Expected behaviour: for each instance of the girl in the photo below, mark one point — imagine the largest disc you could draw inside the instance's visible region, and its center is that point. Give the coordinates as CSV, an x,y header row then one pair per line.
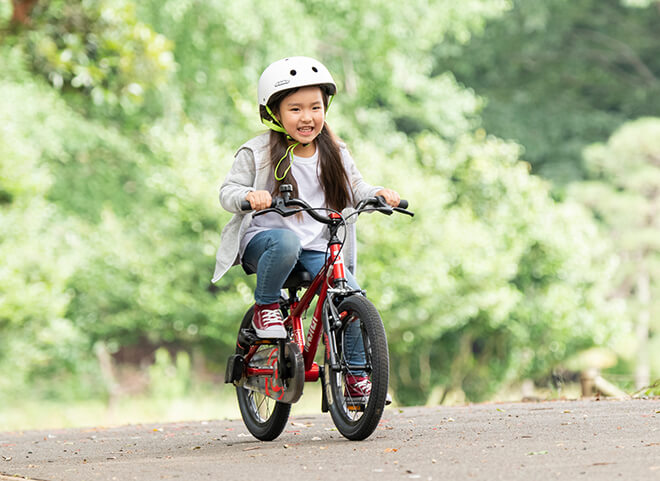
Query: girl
x,y
300,149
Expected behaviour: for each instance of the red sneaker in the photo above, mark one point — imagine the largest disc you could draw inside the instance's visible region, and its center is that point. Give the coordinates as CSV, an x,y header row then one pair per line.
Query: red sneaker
x,y
357,387
267,321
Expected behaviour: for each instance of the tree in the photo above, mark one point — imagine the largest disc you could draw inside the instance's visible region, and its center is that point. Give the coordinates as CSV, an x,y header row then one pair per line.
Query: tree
x,y
496,283
97,47
624,193
21,10
41,246
559,75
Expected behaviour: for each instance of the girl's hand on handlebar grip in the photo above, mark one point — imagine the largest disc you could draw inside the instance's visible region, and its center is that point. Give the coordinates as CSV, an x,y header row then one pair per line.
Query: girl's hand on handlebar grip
x,y
259,199
391,197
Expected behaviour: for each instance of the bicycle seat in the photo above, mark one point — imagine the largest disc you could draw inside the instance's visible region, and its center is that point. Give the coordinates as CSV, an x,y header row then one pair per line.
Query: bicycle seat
x,y
298,279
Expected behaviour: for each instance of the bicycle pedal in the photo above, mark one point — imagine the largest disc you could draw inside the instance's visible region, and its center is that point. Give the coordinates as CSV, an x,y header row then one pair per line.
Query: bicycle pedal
x,y
247,337
356,404
356,407
235,366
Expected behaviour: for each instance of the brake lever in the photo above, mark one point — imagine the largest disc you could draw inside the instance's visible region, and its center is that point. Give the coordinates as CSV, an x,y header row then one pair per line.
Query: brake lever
x,y
383,206
403,211
278,206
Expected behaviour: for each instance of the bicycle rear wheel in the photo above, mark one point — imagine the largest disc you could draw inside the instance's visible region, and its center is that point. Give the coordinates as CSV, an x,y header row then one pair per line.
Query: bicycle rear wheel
x,y
357,418
264,417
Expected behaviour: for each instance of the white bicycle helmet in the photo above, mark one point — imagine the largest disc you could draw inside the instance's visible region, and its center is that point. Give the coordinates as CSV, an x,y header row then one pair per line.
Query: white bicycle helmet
x,y
293,72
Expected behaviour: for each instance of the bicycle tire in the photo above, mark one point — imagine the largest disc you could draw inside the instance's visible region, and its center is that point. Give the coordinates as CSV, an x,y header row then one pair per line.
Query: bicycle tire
x,y
264,417
357,421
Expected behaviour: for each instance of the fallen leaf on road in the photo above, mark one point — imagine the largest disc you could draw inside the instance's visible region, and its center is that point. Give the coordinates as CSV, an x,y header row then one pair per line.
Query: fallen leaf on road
x,y
536,453
196,447
304,425
250,448
391,450
566,411
7,458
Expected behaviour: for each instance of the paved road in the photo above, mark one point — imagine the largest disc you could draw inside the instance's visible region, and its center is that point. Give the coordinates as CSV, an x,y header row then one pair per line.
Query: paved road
x,y
569,440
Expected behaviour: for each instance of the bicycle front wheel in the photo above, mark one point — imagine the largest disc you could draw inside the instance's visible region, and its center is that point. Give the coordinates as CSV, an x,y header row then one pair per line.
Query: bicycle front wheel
x,y
361,352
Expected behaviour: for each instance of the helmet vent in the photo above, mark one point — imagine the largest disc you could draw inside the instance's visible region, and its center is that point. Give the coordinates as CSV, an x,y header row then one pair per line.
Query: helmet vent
x,y
293,72
315,69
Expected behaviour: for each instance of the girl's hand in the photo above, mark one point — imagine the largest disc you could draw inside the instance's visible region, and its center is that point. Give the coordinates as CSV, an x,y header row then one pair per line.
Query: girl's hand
x,y
391,197
259,199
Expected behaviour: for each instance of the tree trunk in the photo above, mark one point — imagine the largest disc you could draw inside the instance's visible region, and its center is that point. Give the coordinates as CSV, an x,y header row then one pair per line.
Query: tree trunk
x,y
21,13
642,370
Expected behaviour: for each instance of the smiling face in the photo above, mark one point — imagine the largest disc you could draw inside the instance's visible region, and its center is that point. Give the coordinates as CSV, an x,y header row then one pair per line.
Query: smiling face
x,y
302,114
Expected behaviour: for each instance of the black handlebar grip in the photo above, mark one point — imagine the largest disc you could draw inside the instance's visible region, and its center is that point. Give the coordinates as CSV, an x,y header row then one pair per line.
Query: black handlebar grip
x,y
403,204
245,205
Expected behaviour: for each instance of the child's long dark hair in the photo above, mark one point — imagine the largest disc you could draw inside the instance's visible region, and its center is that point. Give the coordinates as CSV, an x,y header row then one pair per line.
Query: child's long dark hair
x,y
333,177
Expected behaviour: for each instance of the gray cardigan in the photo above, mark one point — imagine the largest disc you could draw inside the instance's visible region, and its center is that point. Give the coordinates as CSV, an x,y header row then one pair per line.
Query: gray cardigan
x,y
252,171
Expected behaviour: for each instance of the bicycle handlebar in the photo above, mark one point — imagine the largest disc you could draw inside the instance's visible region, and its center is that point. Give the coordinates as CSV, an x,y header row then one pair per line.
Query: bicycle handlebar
x,y
283,206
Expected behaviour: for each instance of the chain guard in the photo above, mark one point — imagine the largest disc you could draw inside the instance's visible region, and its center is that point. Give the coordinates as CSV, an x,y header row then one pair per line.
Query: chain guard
x,y
287,390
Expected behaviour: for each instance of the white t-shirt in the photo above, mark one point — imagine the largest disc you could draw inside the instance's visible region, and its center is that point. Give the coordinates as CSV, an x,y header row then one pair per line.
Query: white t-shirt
x,y
312,234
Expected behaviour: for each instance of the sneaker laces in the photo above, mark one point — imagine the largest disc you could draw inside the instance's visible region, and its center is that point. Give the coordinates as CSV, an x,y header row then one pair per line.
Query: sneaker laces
x,y
270,317
361,387
364,386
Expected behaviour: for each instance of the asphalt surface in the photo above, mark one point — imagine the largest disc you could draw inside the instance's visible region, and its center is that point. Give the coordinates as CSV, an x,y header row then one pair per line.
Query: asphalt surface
x,y
571,440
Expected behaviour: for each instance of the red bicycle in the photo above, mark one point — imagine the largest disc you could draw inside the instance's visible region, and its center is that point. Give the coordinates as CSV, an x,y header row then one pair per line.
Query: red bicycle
x,y
269,374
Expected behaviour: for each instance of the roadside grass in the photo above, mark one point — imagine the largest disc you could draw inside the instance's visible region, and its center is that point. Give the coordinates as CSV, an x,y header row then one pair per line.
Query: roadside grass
x,y
205,404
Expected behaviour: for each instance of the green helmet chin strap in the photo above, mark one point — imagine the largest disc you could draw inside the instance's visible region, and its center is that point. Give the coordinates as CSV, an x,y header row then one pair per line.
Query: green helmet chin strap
x,y
288,153
278,127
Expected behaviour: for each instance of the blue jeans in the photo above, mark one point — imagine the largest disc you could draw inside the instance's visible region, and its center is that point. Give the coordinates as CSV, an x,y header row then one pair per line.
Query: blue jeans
x,y
273,255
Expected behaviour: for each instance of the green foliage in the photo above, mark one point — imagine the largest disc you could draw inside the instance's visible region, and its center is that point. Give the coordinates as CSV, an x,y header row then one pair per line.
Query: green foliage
x,y
40,245
110,218
497,282
623,193
98,47
649,391
560,75
170,379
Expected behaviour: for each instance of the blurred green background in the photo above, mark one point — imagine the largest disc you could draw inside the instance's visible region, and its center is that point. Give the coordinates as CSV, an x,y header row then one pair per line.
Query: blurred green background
x,y
521,131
